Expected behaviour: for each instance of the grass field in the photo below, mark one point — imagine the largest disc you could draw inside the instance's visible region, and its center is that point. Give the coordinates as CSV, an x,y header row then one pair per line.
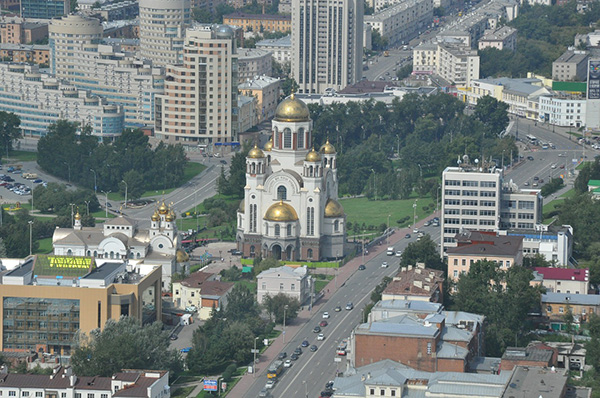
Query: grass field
x,y
20,156
363,210
45,246
552,206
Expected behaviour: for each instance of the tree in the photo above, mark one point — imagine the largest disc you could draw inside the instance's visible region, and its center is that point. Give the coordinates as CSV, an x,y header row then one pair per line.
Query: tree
x,y
9,131
135,184
276,307
378,42
289,86
423,251
241,303
124,344
492,113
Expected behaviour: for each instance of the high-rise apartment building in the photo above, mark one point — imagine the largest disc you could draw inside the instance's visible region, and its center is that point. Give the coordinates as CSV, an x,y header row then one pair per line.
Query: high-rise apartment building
x,y
475,197
327,44
199,105
44,9
76,54
162,30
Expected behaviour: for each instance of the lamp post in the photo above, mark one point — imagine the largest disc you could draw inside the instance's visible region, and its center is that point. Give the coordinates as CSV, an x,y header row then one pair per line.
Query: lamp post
x,y
254,362
388,230
398,137
420,170
95,181
69,167
32,208
106,203
285,308
363,248
374,185
123,181
437,198
72,205
87,205
414,213
30,236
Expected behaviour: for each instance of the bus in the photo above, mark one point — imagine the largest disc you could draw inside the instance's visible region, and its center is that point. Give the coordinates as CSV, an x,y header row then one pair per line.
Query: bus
x,y
275,369
386,53
341,348
531,139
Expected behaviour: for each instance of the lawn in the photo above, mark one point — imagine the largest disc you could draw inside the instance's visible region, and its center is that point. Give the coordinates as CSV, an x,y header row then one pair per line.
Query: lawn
x,y
250,285
20,156
45,246
102,214
320,284
375,212
182,392
552,206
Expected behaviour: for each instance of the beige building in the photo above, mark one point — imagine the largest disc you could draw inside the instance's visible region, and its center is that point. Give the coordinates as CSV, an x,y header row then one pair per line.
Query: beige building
x,y
30,53
266,91
259,22
571,66
401,21
48,299
280,49
19,31
247,108
425,58
455,63
254,62
563,280
474,246
202,291
162,30
293,282
555,306
327,48
504,38
200,99
416,284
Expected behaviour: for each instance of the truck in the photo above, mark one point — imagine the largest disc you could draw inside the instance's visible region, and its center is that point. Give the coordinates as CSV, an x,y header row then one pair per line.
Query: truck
x,y
30,176
275,369
390,251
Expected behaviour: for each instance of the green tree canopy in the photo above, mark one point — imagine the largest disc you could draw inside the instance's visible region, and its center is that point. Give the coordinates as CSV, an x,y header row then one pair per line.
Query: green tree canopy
x,y
423,251
9,131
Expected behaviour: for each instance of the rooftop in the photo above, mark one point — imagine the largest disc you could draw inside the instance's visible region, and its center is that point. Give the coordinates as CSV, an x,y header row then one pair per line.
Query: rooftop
x,y
529,354
285,41
258,83
479,244
241,15
197,279
534,382
418,281
572,56
564,274
248,53
576,299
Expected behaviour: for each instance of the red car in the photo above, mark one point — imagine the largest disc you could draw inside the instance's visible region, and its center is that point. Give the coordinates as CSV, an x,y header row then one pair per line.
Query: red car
x,y
323,324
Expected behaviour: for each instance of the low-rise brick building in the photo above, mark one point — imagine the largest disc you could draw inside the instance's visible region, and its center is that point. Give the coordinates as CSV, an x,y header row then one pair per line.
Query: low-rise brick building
x,y
416,283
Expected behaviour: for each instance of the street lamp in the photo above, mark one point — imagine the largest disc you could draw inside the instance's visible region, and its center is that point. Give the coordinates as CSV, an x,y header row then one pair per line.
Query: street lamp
x,y
398,136
95,181
420,170
30,236
123,181
72,214
69,167
106,203
388,229
87,205
284,313
414,213
254,362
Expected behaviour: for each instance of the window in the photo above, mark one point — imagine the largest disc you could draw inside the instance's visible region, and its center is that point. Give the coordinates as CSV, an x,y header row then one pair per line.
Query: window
x,y
428,348
456,273
393,393
336,226
381,392
90,395
12,393
281,286
455,261
264,286
309,253
293,286
281,192
277,230
287,138
25,393
77,395
39,394
103,395
561,310
63,395
372,391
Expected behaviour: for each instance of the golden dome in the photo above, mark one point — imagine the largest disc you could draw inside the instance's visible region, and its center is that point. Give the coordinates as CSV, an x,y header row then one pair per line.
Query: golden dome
x,y
292,109
155,216
78,216
333,209
256,153
313,156
269,145
242,207
170,216
182,256
281,212
327,148
163,209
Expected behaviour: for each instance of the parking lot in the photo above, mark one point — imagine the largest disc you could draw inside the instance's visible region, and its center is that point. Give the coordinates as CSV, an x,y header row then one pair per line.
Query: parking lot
x,y
22,192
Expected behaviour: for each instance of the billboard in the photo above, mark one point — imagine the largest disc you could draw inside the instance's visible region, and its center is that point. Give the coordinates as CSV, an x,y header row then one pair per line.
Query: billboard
x,y
211,385
593,79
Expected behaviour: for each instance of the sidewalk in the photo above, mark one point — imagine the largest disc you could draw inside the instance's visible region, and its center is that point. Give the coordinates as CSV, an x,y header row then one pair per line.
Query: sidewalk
x,y
304,316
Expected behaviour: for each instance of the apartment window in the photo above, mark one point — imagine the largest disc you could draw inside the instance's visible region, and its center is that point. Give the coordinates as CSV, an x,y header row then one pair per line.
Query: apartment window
x,y
103,395
77,395
393,393
561,310
264,286
63,395
464,262
281,286
470,183
293,287
456,273
488,184
25,393
39,394
12,393
428,348
455,261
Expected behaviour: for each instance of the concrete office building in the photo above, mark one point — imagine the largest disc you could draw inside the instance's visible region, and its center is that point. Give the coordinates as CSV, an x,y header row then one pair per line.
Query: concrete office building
x,y
40,100
504,38
199,105
474,197
553,242
44,9
259,22
76,53
254,62
46,300
571,65
266,91
327,46
563,109
162,30
281,49
402,21
457,64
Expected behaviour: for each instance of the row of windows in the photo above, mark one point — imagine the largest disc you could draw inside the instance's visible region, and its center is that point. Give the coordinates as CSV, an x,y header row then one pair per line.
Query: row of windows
x,y
458,202
463,262
456,192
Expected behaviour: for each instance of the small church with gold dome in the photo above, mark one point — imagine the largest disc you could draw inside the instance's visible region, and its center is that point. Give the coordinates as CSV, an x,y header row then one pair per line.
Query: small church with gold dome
x,y
120,239
290,209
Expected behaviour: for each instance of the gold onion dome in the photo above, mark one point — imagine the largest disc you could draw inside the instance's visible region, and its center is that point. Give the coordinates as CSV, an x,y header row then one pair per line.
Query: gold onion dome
x,y
242,208
256,153
163,209
155,216
313,156
333,209
327,148
269,145
281,212
78,216
292,109
170,216
182,256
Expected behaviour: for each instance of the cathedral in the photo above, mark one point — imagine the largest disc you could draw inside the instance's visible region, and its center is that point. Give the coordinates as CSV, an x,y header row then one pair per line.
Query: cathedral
x,y
290,209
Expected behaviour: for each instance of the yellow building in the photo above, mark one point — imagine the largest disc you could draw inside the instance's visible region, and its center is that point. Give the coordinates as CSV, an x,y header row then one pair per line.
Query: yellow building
x,y
202,291
259,22
47,299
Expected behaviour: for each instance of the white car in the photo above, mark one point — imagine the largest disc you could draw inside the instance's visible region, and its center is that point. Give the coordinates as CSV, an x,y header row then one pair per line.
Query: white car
x,y
416,230
270,383
326,315
384,264
191,308
321,337
398,253
287,363
553,166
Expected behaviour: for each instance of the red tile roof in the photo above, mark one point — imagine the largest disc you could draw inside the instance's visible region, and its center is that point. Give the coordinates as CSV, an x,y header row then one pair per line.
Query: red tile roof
x,y
564,274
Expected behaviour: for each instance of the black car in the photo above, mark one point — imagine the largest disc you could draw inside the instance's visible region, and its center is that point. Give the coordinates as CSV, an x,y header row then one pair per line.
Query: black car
x,y
223,161
407,236
362,267
294,357
313,348
282,355
305,343
317,329
529,157
329,385
298,351
174,337
327,393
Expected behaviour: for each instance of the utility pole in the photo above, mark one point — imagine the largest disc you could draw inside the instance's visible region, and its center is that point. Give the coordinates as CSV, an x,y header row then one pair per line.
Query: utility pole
x,y
30,236
254,362
72,205
284,313
106,203
123,181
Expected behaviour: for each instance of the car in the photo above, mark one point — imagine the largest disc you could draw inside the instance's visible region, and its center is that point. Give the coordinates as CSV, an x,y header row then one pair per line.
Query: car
x,y
530,158
362,267
270,383
407,236
535,184
282,355
186,349
264,393
294,357
223,161
174,337
384,264
321,337
338,309
305,342
349,306
17,172
553,166
108,204
191,308
326,315
323,324
561,155
427,223
38,181
536,178
313,348
329,385
298,350
526,183
541,180
328,392
562,166
416,231
287,363
317,329
398,253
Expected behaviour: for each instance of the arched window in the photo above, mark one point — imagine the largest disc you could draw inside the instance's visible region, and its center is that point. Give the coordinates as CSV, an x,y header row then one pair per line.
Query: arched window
x,y
310,220
287,138
277,230
130,254
139,255
252,251
289,230
281,192
69,252
336,226
276,139
112,254
300,138
309,253
88,253
95,253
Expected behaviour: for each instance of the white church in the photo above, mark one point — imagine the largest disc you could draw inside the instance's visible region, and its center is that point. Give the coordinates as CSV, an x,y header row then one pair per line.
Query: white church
x,y
290,209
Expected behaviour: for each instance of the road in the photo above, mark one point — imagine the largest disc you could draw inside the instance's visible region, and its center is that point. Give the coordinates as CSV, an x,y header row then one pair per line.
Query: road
x,y
308,375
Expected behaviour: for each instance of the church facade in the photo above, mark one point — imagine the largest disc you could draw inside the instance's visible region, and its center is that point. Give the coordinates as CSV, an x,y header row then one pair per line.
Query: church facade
x,y
290,209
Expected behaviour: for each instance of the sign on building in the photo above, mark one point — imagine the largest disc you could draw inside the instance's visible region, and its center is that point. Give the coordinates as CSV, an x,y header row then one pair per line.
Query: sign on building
x,y
593,79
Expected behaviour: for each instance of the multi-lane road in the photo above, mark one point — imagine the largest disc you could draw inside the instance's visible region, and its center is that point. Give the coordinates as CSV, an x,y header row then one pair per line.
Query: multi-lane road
x,y
308,375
